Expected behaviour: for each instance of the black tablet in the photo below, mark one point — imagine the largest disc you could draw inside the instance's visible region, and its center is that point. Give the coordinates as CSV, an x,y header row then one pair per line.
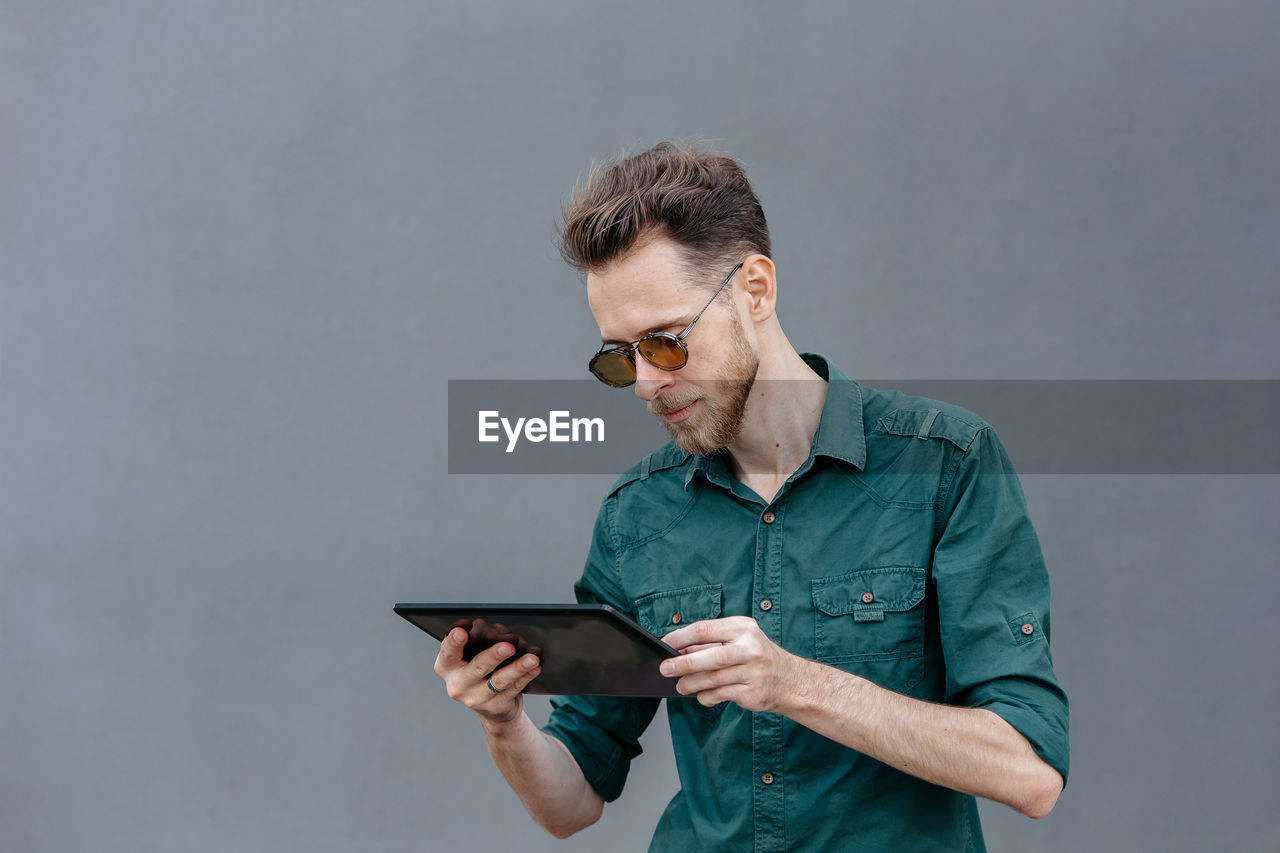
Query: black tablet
x,y
585,649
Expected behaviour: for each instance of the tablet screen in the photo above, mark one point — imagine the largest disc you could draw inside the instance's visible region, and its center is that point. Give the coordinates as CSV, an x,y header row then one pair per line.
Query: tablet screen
x,y
585,649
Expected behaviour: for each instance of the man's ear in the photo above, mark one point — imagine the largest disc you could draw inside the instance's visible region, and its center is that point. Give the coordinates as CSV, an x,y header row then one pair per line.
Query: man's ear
x,y
760,286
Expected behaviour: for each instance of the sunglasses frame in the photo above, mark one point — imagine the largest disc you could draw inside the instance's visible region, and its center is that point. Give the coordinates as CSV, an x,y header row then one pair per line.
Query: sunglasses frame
x,y
628,351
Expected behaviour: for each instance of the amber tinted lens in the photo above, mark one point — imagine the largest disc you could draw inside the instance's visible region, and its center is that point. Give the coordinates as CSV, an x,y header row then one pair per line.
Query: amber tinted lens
x,y
613,368
663,351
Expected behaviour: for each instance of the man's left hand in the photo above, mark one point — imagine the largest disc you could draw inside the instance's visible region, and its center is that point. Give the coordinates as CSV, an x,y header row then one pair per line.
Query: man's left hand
x,y
732,660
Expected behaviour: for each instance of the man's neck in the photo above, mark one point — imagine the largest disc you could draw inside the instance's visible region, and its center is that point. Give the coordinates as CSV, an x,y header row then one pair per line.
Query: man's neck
x,y
781,419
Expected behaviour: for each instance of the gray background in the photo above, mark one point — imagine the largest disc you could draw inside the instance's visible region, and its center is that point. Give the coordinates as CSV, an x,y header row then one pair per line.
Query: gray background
x,y
244,245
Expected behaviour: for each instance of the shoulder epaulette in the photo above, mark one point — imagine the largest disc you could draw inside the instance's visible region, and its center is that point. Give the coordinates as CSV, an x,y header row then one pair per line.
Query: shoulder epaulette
x,y
667,456
934,419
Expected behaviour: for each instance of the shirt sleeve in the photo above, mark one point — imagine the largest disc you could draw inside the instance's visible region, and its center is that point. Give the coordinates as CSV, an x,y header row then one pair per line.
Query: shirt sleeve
x,y
602,732
993,601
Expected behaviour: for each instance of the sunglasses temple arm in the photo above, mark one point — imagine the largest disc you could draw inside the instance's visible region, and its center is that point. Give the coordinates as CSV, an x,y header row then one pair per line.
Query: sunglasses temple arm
x,y
728,278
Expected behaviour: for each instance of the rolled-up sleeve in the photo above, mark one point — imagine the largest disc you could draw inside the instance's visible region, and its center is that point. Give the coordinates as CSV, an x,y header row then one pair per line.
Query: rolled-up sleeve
x,y
602,732
993,600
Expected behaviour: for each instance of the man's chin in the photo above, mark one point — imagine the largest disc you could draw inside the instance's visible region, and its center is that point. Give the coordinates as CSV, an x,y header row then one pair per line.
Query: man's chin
x,y
690,443
691,439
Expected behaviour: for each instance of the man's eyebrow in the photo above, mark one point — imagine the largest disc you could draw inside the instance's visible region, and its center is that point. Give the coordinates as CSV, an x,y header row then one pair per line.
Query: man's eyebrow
x,y
671,324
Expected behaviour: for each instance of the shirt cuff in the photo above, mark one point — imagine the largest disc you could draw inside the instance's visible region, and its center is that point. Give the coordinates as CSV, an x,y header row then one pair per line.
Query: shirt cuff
x,y
1042,720
603,761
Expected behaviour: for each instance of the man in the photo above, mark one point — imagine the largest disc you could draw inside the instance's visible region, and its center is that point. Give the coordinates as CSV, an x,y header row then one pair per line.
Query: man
x,y
850,574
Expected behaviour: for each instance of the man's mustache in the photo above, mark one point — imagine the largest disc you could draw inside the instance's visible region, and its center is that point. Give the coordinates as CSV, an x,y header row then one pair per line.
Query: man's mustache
x,y
666,404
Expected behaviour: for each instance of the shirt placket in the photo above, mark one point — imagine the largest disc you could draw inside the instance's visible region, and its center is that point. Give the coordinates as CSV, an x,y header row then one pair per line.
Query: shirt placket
x,y
766,729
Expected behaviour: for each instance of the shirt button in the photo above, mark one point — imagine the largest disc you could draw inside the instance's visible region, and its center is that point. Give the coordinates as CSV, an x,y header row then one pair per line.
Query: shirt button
x,y
867,598
766,605
1027,629
767,778
677,619
768,518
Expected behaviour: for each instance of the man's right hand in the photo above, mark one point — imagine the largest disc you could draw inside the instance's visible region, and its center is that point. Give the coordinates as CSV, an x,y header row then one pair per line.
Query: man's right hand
x,y
466,681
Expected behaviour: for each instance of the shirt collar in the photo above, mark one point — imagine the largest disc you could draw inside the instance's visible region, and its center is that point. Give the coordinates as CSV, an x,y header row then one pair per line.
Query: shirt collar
x,y
841,433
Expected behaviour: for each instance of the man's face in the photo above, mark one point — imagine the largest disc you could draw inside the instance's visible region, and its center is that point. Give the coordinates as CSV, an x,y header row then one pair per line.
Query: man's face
x,y
703,403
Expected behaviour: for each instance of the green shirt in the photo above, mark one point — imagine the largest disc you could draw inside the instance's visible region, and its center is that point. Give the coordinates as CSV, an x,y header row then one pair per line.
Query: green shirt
x,y
901,550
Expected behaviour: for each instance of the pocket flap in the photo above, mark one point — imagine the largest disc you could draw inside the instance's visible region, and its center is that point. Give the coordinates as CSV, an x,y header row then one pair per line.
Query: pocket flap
x,y
867,591
660,613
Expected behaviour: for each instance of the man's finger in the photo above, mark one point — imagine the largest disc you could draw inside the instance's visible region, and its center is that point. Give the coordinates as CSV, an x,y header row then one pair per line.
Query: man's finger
x,y
491,658
514,676
712,657
451,647
701,682
706,631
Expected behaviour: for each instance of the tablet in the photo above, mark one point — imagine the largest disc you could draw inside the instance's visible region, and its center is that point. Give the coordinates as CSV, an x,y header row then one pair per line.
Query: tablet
x,y
585,649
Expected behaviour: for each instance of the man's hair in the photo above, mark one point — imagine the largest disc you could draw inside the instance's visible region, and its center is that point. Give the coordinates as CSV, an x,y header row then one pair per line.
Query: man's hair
x,y
690,193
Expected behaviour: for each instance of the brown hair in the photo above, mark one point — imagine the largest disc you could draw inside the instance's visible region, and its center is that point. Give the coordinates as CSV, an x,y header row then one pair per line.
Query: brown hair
x,y
691,193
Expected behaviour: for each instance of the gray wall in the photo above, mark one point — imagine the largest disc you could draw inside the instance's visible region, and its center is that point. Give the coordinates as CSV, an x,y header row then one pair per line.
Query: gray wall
x,y
244,245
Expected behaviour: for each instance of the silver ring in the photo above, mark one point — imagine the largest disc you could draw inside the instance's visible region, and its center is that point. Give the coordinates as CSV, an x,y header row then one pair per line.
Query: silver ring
x,y
489,681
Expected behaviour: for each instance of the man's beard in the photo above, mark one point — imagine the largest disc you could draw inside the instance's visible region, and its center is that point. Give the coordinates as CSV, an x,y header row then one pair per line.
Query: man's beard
x,y
718,419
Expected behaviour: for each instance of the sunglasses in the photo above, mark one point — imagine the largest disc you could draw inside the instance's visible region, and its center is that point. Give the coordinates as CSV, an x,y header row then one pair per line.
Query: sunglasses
x,y
616,366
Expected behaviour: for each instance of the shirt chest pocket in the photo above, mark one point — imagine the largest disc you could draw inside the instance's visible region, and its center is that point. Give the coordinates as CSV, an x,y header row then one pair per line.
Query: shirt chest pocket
x,y
660,613
871,623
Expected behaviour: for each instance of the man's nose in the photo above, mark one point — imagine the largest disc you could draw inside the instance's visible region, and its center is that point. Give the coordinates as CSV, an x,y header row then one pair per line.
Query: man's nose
x,y
651,381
